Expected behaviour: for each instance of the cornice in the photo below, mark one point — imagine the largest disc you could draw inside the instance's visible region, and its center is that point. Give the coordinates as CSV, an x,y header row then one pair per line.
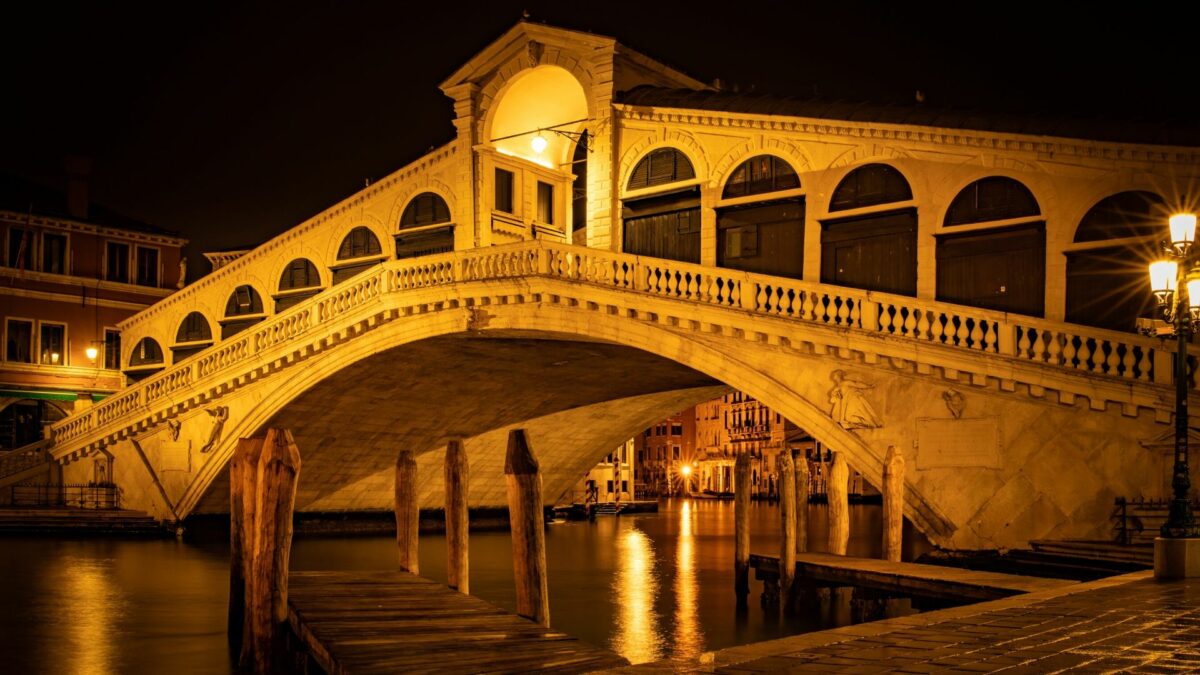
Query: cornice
x,y
33,220
936,136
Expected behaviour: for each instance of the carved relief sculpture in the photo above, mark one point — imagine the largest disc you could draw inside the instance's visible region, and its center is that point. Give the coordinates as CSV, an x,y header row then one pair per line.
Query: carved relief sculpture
x,y
174,426
219,414
849,408
955,402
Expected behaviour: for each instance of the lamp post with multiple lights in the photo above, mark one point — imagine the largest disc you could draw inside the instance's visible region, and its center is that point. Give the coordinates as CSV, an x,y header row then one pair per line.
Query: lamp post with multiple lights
x,y
1176,284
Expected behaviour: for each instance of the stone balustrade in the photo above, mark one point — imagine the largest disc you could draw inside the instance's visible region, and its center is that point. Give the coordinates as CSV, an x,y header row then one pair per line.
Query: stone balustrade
x,y
1071,350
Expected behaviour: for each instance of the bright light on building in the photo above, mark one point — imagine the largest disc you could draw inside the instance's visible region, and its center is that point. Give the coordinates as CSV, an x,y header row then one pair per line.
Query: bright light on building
x,y
686,470
538,143
92,352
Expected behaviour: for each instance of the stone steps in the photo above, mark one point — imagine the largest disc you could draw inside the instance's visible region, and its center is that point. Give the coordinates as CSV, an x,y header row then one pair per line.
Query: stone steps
x,y
93,521
1098,550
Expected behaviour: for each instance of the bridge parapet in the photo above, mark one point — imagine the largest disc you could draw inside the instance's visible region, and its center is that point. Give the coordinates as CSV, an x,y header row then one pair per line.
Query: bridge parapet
x,y
1104,366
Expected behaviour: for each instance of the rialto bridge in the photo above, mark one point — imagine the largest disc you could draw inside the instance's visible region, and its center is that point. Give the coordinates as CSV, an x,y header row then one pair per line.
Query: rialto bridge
x,y
607,241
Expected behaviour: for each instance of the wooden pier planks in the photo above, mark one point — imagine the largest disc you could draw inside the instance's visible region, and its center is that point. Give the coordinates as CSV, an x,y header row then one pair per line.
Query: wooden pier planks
x,y
389,622
907,578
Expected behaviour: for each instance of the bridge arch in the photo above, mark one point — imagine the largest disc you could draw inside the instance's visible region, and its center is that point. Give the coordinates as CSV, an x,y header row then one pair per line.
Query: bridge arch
x,y
800,397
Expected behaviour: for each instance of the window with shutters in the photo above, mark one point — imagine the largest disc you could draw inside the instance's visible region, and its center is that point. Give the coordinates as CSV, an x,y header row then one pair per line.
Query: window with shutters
x,y
300,273
112,349
660,167
52,341
993,198
147,352
20,248
759,175
19,339
194,328
243,301
545,203
360,243
870,185
54,253
116,262
504,190
426,208
147,267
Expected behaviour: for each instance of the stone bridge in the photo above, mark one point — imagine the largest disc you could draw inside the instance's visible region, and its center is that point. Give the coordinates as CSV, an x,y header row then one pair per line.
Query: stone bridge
x,y
585,348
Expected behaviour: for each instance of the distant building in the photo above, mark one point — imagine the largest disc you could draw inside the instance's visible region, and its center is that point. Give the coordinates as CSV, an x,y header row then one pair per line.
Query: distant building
x,y
70,273
666,455
610,480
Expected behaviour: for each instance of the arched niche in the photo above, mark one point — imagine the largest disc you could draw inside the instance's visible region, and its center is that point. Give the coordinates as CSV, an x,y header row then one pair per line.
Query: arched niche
x,y
243,309
425,227
539,102
766,236
145,359
665,222
299,280
358,250
194,335
876,247
1107,284
1002,267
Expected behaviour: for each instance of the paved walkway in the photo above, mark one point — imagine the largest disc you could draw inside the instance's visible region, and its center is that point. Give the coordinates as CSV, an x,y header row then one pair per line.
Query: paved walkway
x,y
1129,623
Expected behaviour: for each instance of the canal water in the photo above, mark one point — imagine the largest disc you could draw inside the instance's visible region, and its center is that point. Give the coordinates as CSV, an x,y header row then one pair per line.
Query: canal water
x,y
650,587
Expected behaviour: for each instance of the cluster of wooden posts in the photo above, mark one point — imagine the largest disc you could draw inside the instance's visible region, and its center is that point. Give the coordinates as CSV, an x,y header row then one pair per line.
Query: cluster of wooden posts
x,y
263,475
793,513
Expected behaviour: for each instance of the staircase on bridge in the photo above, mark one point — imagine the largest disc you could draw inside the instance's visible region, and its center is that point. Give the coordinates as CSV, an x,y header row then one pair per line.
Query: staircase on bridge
x,y
25,463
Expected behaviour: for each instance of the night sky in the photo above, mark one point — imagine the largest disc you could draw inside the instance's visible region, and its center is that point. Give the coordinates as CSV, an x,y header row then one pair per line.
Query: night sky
x,y
231,124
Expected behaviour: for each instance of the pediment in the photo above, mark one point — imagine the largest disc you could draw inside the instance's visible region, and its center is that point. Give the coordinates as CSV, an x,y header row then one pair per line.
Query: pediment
x,y
518,39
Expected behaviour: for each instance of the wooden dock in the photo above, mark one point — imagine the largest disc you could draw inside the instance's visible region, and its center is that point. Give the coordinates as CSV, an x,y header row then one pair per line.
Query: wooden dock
x,y
901,578
392,622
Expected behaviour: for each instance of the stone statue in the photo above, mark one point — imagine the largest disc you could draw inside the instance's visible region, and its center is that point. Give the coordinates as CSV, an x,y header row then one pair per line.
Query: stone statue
x,y
849,408
174,426
182,273
219,415
955,402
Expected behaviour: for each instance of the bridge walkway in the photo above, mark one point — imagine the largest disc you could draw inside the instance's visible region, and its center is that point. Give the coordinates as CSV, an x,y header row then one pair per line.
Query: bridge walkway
x,y
395,622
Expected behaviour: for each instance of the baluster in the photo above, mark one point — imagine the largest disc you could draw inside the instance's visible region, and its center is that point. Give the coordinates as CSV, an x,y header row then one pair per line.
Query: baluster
x,y
855,315
1060,348
911,325
977,335
1144,365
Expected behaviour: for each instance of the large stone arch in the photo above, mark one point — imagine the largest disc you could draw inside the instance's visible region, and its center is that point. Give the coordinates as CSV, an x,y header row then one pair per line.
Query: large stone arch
x,y
559,322
944,195
411,191
339,233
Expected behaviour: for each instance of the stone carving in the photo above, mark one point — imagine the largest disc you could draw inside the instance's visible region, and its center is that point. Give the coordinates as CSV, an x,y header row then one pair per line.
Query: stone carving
x,y
174,426
219,414
535,49
958,444
955,403
849,408
182,273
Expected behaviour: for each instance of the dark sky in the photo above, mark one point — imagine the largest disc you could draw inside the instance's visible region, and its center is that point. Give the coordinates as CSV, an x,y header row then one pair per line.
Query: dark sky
x,y
230,124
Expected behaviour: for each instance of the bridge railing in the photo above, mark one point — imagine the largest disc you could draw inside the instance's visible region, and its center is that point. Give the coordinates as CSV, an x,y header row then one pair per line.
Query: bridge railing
x,y
1089,351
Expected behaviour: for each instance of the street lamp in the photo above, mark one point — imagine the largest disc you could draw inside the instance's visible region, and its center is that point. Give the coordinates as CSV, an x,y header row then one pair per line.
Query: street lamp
x,y
1175,281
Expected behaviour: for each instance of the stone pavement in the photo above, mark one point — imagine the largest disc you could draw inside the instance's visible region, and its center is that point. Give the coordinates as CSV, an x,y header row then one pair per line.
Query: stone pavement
x,y
1131,623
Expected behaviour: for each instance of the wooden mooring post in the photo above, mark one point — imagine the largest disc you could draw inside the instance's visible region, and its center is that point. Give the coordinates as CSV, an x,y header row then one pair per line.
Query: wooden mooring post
x,y
262,540
524,486
408,516
741,520
802,479
838,491
787,514
457,550
893,504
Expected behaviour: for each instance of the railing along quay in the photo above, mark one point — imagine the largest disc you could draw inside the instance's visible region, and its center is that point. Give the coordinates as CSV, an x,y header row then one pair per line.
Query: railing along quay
x,y
1078,349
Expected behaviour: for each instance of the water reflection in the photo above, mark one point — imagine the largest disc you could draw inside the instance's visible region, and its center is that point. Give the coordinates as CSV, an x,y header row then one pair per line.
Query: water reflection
x,y
96,610
688,638
637,636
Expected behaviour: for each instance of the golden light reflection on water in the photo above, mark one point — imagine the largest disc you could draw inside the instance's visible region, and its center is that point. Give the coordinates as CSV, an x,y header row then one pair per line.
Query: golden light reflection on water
x,y
95,610
688,639
637,637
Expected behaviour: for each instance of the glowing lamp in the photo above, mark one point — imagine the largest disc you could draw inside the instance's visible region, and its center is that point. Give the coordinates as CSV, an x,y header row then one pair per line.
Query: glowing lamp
x,y
1193,288
539,146
686,470
54,357
92,352
1162,276
1183,230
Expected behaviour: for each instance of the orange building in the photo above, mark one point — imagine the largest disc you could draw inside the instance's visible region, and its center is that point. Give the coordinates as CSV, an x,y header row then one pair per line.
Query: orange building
x,y
69,274
666,456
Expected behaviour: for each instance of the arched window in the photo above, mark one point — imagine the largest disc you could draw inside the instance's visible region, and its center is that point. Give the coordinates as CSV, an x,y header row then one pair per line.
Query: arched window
x,y
1002,268
300,280
870,185
243,309
665,224
146,352
757,175
360,243
194,335
1107,286
425,211
875,250
661,166
194,329
993,198
767,236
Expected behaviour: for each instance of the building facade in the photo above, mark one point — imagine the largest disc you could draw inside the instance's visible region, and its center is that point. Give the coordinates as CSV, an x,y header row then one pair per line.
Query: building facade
x,y
666,457
70,275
